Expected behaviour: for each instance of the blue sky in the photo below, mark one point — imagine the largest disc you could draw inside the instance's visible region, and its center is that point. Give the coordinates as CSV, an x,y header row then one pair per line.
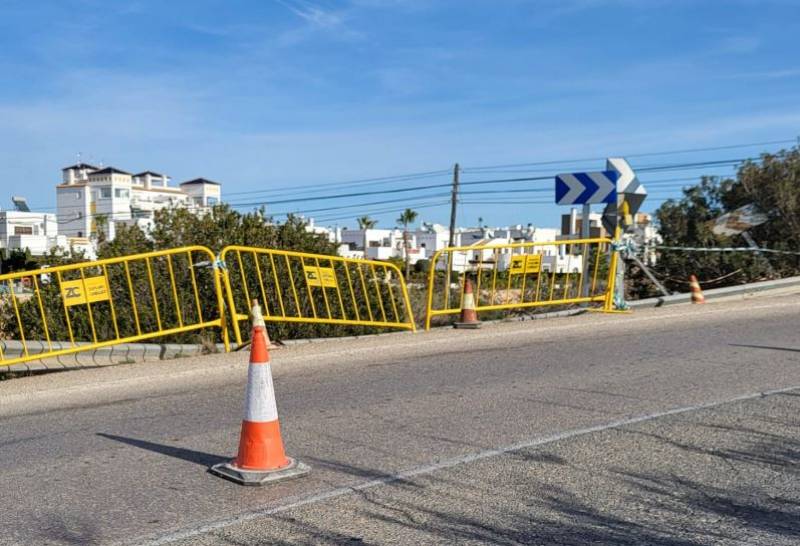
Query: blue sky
x,y
269,95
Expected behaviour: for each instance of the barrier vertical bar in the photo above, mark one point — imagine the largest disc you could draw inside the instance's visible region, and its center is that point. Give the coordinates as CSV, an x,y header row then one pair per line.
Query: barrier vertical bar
x,y
111,303
338,289
66,311
133,299
539,279
352,291
41,310
291,280
89,306
178,309
194,287
494,274
366,292
247,298
378,290
19,318
596,266
391,295
261,284
323,288
153,292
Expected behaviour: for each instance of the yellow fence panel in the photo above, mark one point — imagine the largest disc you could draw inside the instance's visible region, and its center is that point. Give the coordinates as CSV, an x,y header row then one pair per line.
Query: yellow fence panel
x,y
72,308
314,288
521,275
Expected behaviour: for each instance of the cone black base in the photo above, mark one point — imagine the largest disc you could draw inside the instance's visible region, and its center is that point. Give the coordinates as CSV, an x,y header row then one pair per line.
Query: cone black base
x,y
294,469
467,325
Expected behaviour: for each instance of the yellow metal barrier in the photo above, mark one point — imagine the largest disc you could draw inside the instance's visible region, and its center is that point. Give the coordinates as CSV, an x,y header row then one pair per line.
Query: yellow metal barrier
x,y
314,288
67,309
521,275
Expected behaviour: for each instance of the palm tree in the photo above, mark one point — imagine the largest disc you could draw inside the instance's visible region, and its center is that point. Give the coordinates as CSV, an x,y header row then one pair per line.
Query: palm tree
x,y
365,223
408,216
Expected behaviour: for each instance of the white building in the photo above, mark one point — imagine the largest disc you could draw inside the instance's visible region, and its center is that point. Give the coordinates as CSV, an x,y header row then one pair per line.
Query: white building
x,y
383,244
424,242
88,194
34,231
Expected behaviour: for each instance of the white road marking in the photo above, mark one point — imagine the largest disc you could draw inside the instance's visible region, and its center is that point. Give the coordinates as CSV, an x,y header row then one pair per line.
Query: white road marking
x,y
446,464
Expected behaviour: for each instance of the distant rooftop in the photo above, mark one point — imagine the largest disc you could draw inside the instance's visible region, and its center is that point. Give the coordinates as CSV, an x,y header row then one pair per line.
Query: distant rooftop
x,y
79,166
151,173
200,181
111,170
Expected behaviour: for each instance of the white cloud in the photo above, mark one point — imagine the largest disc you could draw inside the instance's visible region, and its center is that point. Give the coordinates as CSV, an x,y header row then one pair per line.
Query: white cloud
x,y
312,13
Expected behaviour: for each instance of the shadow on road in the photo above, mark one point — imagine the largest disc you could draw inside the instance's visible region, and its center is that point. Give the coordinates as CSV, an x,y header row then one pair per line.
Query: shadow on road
x,y
190,455
790,349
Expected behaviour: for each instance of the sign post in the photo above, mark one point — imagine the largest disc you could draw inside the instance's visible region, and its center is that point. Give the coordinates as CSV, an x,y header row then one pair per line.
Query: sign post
x,y
585,233
617,187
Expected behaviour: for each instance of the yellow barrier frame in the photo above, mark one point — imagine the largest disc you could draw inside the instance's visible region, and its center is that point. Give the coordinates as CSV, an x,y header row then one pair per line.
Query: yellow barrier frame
x,y
367,275
605,297
106,293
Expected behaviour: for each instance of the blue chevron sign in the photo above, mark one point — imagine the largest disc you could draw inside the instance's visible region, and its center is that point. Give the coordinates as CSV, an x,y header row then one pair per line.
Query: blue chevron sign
x,y
586,188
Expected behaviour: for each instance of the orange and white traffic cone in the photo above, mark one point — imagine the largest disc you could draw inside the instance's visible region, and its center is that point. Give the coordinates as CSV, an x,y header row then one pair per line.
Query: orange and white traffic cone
x,y
261,458
469,317
697,294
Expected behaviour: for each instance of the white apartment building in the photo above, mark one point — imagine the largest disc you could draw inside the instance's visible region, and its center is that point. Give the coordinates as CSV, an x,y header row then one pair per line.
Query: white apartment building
x,y
88,193
34,231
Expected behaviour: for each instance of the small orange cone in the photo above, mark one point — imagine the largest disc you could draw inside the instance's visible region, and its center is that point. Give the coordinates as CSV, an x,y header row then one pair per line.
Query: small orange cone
x,y
469,317
697,294
261,458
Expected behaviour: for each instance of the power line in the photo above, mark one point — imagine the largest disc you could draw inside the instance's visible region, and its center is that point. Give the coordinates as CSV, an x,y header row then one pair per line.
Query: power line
x,y
349,183
355,205
381,211
644,154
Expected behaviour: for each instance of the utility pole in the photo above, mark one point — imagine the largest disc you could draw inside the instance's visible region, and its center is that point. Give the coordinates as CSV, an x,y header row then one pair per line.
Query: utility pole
x,y
453,204
585,232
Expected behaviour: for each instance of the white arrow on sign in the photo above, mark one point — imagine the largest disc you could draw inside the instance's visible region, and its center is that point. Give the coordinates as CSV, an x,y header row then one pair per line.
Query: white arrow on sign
x,y
585,188
627,181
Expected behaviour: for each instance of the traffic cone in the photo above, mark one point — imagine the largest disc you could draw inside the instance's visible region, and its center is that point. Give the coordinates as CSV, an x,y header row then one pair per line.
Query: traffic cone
x,y
261,458
697,294
469,317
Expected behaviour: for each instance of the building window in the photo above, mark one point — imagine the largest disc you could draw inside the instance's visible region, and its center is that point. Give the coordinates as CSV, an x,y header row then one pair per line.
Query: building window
x,y
23,230
80,234
77,195
105,193
212,201
121,193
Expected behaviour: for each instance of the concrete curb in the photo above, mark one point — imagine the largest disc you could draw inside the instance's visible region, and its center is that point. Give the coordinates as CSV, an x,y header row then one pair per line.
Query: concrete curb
x,y
126,353
717,292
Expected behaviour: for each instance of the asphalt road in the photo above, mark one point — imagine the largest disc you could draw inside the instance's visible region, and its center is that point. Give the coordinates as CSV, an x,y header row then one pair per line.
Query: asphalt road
x,y
645,428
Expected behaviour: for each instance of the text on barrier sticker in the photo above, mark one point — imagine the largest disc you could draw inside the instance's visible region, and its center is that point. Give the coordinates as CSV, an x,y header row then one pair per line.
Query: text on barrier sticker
x,y
320,276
